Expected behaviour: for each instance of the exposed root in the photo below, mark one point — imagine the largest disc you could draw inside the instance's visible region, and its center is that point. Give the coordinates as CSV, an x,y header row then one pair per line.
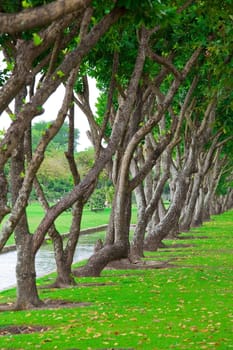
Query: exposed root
x,y
46,305
8,330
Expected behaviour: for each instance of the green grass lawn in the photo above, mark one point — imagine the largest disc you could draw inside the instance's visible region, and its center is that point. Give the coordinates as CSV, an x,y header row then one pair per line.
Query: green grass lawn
x,y
89,219
189,306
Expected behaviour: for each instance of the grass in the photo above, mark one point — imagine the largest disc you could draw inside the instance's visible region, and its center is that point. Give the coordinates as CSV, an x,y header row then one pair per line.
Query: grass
x,y
186,307
89,219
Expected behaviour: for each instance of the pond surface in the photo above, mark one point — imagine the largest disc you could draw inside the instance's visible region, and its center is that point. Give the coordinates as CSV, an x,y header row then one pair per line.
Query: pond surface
x,y
45,262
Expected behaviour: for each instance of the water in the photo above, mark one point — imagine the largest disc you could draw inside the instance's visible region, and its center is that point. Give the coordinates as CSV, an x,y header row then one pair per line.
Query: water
x,y
45,262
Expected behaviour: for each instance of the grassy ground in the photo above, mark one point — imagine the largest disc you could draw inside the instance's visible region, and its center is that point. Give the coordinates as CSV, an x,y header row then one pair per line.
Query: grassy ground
x,y
89,219
188,307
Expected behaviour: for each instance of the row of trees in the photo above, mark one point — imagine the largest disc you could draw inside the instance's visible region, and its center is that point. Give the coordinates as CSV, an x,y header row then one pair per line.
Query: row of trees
x,y
163,119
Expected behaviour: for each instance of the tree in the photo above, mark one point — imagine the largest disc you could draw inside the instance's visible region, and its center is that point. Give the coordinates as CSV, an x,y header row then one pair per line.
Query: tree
x,y
119,247
58,68
172,56
145,64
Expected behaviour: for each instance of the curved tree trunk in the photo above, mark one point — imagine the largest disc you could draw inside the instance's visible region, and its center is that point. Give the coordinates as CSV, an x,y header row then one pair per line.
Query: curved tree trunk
x,y
142,196
149,194
64,261
186,220
137,245
171,218
100,259
110,252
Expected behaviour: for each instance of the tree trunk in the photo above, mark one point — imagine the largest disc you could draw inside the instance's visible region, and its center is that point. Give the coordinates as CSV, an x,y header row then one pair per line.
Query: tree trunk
x,y
64,264
4,209
64,274
136,249
27,295
171,218
146,216
110,252
120,226
197,219
149,201
141,195
110,236
186,220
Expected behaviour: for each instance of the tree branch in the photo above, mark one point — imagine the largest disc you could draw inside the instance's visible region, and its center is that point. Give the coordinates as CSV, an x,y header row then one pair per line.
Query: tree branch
x,y
39,16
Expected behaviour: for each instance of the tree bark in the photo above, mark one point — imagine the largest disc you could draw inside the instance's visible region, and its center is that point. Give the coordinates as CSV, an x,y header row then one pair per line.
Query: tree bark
x,y
137,246
27,295
25,270
171,218
39,16
197,219
110,252
186,220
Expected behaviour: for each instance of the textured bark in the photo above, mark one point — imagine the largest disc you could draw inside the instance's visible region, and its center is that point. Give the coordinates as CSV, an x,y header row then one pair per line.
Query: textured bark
x,y
155,203
4,209
140,134
101,258
197,219
27,295
136,249
110,236
211,183
186,220
38,156
137,246
64,257
118,130
24,71
25,270
120,219
39,16
71,61
110,252
171,218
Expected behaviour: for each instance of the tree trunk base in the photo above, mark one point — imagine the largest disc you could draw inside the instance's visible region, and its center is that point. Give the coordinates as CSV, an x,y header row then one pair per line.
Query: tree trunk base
x,y
64,281
153,246
184,229
197,223
101,258
60,284
28,305
135,258
136,253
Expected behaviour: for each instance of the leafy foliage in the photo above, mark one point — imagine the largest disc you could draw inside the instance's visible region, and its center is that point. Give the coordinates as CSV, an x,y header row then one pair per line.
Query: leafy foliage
x,y
97,199
59,142
12,6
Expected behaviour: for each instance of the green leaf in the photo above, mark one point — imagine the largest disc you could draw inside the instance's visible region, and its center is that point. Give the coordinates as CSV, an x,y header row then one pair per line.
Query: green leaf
x,y
10,66
60,73
12,116
26,4
77,39
37,39
39,108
